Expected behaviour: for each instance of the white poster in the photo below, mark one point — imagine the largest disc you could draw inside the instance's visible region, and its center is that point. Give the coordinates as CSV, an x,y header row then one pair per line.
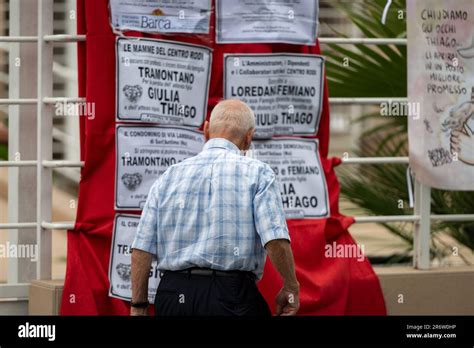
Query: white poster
x,y
143,154
301,177
441,87
287,21
161,16
285,91
162,81
125,227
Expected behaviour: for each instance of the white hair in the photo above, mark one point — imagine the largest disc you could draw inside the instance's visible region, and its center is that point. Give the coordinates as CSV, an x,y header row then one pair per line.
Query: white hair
x,y
233,116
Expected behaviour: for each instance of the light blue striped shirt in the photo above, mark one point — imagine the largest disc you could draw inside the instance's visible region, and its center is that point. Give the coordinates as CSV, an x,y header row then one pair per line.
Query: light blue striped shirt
x,y
215,210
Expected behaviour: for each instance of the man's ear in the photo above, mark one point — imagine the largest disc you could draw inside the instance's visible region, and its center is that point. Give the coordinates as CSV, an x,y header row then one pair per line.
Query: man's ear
x,y
249,138
206,130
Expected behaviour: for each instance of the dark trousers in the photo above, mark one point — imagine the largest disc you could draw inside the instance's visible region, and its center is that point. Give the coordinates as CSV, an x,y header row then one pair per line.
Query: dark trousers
x,y
185,294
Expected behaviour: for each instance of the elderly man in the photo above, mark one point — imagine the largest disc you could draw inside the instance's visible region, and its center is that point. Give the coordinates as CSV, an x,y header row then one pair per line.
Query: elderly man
x,y
210,221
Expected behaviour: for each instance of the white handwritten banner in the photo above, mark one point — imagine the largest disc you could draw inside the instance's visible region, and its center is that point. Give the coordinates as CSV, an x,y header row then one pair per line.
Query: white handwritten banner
x,y
285,91
291,21
297,166
162,81
143,154
125,228
441,85
161,16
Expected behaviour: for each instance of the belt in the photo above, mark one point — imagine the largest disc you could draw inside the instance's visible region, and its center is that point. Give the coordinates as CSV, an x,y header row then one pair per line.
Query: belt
x,y
212,272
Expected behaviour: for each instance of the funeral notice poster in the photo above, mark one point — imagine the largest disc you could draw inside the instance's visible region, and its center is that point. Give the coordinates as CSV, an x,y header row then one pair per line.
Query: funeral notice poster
x,y
143,154
285,21
285,91
125,227
162,82
298,169
441,86
161,16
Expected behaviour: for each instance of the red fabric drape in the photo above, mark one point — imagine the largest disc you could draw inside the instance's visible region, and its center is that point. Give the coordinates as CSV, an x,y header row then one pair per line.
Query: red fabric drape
x,y
329,286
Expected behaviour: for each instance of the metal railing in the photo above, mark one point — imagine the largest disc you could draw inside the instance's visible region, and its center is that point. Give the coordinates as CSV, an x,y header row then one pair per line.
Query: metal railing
x,y
45,40
44,165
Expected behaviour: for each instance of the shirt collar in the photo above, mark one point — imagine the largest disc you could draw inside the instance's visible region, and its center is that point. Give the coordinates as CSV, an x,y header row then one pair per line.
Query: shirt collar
x,y
221,143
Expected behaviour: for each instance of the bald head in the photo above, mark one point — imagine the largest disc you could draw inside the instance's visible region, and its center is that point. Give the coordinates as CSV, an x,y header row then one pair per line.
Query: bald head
x,y
233,120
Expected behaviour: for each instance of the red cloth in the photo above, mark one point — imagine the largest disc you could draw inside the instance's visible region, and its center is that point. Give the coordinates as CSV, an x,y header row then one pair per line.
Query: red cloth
x,y
329,286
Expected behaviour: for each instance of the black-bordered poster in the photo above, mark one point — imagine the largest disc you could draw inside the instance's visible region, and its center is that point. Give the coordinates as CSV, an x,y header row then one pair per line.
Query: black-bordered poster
x,y
125,227
298,169
144,153
246,21
161,16
162,82
285,91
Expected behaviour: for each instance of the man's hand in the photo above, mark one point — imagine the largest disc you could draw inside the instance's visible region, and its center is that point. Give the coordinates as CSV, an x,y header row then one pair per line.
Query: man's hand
x,y
138,312
281,256
288,301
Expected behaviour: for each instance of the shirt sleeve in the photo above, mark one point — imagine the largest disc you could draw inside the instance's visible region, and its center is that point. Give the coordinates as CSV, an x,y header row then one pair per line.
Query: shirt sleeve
x,y
269,216
146,235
